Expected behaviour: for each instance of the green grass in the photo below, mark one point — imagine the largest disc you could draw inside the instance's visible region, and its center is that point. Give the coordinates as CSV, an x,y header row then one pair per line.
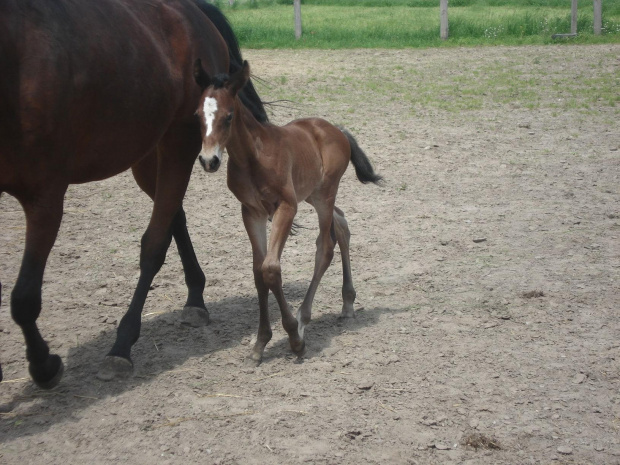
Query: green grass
x,y
534,81
335,24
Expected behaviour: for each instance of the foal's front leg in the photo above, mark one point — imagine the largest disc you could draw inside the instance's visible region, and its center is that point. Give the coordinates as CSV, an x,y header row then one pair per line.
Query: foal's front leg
x,y
272,271
256,227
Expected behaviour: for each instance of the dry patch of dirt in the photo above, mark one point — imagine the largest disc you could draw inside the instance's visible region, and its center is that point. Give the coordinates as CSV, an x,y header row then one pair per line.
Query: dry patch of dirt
x,y
492,196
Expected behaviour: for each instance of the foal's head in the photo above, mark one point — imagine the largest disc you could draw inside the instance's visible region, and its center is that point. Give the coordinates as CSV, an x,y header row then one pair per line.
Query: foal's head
x,y
216,111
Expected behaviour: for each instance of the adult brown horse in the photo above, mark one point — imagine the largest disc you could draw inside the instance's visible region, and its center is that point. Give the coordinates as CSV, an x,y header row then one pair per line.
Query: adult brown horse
x,y
88,90
272,169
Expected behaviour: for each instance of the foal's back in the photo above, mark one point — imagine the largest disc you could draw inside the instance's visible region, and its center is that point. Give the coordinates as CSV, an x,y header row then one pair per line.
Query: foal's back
x,y
318,150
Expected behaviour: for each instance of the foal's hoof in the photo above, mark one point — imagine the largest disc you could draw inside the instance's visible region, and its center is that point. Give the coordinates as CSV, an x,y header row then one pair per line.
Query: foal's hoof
x,y
48,374
345,315
115,367
194,317
300,351
253,360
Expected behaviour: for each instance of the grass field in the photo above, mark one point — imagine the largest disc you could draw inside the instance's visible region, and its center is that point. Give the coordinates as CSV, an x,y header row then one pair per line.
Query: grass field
x,y
415,23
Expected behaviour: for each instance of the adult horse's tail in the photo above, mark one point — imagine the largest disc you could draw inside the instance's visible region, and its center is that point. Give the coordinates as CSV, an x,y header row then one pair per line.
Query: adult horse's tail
x,y
363,169
248,94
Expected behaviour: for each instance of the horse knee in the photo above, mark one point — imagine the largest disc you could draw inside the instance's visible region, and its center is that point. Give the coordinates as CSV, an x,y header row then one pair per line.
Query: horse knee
x,y
153,254
25,303
272,274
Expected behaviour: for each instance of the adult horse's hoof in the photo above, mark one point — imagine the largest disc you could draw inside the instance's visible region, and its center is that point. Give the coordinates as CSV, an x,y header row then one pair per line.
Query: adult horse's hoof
x,y
115,367
194,317
48,374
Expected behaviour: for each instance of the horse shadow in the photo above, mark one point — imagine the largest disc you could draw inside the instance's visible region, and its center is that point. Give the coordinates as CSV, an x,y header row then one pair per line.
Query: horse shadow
x,y
165,345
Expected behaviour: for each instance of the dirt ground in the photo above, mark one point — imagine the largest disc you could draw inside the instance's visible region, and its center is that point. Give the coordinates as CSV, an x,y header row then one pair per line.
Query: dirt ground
x,y
486,271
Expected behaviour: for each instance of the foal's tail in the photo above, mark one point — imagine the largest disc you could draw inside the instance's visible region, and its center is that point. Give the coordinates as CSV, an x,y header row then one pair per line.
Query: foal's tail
x,y
363,168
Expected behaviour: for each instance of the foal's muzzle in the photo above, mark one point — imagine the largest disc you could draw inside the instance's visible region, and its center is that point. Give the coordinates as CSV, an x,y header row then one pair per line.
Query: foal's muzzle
x,y
210,166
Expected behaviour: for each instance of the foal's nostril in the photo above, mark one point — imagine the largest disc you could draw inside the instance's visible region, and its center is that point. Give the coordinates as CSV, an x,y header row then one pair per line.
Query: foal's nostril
x,y
202,161
215,164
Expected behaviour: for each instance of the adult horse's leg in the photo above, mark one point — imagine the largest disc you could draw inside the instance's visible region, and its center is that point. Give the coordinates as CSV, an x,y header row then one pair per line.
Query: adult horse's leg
x,y
0,305
194,312
176,154
256,227
325,243
43,216
272,271
343,236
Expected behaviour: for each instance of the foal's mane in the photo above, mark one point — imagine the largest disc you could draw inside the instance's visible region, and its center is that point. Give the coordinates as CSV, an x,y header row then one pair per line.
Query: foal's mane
x,y
248,95
220,80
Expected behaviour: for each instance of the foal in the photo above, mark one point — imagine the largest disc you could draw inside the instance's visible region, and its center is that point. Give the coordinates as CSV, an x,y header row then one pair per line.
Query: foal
x,y
271,169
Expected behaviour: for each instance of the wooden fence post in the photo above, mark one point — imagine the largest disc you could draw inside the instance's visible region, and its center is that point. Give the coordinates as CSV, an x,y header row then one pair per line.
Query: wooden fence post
x,y
297,8
598,13
443,29
573,17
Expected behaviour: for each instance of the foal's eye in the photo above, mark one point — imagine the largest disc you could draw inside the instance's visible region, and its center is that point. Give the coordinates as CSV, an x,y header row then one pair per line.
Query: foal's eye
x,y
229,118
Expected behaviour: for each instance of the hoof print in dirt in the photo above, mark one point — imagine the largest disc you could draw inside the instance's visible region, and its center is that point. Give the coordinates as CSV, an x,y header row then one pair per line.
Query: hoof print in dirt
x,y
195,317
480,441
115,368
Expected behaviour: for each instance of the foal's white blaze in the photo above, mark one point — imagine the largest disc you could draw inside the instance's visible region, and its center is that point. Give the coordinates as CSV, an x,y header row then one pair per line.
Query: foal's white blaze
x,y
209,108
210,151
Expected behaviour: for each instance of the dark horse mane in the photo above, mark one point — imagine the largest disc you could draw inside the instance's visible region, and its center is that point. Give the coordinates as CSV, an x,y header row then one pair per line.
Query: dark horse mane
x,y
248,95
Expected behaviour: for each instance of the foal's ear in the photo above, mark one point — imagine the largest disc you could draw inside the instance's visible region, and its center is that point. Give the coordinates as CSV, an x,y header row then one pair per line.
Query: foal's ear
x,y
239,78
200,75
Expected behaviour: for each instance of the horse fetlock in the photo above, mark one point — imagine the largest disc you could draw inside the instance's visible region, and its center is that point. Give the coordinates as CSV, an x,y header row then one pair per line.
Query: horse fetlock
x,y
263,338
298,347
348,295
303,315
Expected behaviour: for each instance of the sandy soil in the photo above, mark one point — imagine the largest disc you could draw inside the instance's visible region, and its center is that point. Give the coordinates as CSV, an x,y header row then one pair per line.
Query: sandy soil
x,y
486,270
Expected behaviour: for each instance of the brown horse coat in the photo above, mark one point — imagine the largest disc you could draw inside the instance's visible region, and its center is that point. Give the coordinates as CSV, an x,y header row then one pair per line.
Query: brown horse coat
x,y
89,89
272,169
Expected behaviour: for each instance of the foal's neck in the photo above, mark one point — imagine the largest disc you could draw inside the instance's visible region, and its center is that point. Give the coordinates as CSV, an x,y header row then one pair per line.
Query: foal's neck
x,y
246,133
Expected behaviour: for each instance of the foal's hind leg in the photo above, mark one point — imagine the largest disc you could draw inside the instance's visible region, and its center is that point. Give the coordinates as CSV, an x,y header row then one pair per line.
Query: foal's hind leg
x,y
343,236
43,216
325,243
194,311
